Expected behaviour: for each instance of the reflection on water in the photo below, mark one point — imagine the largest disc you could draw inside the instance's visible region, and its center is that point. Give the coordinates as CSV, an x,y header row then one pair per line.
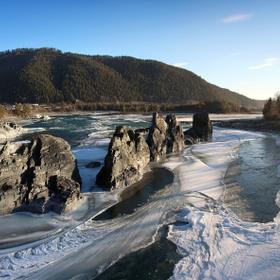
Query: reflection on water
x,y
252,181
139,193
155,262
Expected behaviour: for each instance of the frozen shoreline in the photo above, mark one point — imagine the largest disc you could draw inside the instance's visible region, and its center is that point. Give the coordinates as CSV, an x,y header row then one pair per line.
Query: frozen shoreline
x,y
214,243
210,238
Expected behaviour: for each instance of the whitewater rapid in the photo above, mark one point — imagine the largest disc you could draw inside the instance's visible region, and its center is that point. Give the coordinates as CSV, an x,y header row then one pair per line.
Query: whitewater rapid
x,y
213,241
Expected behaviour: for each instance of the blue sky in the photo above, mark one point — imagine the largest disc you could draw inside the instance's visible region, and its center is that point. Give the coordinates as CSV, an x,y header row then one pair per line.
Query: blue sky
x,y
232,43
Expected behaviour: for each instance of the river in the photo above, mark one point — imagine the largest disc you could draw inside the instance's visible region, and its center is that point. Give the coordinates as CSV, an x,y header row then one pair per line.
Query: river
x,y
209,213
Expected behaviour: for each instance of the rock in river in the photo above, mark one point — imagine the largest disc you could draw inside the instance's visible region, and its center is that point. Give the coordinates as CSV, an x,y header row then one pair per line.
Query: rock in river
x,y
201,129
39,176
128,155
175,135
157,137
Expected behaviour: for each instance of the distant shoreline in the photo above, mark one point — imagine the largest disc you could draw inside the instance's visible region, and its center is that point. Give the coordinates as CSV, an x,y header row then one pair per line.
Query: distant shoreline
x,y
24,119
251,124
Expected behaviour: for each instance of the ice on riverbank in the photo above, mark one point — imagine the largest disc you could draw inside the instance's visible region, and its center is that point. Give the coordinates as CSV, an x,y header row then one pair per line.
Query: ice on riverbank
x,y
214,243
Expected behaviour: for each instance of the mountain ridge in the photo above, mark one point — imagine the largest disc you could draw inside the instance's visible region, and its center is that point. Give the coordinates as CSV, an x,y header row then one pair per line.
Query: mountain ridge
x,y
48,75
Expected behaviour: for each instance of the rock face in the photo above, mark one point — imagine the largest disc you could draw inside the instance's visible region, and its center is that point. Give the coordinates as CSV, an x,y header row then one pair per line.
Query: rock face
x,y
202,125
128,155
175,135
9,130
201,129
157,137
39,176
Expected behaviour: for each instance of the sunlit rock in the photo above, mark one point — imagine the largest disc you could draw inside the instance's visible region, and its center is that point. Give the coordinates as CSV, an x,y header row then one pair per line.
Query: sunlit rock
x,y
39,176
128,155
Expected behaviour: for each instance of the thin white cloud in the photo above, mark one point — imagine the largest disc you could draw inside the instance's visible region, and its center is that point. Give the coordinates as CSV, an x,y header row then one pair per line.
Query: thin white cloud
x,y
181,64
268,62
237,18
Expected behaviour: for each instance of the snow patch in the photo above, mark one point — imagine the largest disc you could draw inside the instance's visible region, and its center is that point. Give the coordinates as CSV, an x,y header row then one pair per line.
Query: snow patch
x,y
216,245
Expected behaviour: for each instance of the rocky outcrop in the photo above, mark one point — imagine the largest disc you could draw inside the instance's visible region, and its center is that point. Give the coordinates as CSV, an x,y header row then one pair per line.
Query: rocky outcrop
x,y
202,125
165,136
128,155
175,135
39,176
201,129
157,137
9,130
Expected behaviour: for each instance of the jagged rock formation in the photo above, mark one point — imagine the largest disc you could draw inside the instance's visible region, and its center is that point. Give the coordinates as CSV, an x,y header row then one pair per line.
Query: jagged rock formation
x,y
157,137
128,155
175,135
9,130
39,176
201,129
165,136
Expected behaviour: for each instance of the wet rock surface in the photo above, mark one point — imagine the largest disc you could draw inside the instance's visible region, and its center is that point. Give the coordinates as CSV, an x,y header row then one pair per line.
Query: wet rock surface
x,y
128,155
39,176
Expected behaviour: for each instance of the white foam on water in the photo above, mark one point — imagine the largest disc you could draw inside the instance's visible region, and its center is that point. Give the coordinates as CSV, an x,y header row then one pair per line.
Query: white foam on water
x,y
99,138
102,128
34,129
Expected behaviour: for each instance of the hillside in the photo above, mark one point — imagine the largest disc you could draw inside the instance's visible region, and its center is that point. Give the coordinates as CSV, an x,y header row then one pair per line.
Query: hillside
x,y
50,76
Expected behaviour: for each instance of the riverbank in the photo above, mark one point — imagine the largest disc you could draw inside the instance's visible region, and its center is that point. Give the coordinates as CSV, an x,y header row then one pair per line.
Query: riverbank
x,y
208,236
250,124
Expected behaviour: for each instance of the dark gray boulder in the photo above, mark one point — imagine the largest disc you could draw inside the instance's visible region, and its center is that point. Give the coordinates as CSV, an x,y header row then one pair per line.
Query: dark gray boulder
x,y
201,129
175,135
157,137
39,176
202,125
190,138
128,155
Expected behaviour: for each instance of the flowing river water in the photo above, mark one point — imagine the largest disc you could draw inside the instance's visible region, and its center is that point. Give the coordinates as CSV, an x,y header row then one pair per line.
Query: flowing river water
x,y
208,213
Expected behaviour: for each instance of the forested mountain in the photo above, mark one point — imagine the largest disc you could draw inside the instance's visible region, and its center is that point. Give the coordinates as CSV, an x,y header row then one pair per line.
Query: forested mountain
x,y
50,76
